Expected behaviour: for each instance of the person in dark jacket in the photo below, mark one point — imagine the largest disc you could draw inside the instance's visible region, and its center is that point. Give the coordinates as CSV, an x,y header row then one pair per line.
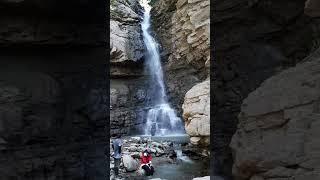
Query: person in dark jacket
x,y
116,146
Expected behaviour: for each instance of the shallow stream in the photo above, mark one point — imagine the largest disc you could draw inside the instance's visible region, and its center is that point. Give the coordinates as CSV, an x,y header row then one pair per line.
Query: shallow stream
x,y
184,168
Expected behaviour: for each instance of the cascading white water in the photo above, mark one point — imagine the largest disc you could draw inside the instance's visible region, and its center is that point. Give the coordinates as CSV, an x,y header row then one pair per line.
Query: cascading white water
x,y
182,157
161,119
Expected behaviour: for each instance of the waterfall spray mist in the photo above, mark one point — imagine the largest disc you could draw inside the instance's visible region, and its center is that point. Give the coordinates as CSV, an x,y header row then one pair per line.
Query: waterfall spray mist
x,y
161,118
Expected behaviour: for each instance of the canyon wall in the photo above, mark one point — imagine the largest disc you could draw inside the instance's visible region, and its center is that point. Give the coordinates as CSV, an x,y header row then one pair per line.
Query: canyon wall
x,y
182,27
184,54
278,123
255,40
129,94
53,98
278,128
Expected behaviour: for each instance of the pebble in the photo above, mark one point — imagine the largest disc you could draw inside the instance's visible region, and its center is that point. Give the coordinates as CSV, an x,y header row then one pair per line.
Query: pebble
x,y
132,148
135,139
159,151
153,150
156,144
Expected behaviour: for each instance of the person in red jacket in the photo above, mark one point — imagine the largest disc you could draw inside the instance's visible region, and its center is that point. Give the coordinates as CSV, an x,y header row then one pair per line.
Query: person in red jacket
x,y
146,165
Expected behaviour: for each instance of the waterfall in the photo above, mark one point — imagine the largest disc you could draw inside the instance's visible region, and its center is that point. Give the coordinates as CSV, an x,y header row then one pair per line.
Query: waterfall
x,y
161,118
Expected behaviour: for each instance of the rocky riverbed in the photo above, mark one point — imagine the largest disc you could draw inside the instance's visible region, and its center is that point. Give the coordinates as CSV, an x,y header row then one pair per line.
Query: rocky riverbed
x,y
171,159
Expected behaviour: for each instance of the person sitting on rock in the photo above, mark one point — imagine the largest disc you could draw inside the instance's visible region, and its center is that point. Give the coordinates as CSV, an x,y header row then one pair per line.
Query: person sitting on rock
x,y
146,163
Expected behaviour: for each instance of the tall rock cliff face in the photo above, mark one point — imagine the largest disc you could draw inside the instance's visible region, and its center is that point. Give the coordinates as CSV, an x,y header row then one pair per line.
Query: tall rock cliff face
x,y
126,43
129,83
278,128
278,132
255,40
183,29
52,90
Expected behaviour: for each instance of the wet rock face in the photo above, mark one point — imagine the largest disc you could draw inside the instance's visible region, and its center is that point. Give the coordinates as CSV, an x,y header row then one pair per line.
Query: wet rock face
x,y
129,83
128,105
255,40
126,43
278,132
182,28
196,113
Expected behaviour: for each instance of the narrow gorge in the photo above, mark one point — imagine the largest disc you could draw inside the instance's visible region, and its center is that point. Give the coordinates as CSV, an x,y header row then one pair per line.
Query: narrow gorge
x,y
160,81
132,86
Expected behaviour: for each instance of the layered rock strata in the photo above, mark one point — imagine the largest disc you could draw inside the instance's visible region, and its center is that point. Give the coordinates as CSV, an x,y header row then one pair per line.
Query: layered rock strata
x,y
183,27
254,40
278,129
129,81
52,90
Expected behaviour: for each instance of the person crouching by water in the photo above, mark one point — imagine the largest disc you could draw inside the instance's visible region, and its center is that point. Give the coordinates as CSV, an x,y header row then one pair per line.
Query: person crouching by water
x,y
146,163
116,146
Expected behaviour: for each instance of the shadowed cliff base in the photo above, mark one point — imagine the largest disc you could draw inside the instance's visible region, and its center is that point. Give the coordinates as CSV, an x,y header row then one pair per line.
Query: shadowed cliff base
x,y
254,41
53,85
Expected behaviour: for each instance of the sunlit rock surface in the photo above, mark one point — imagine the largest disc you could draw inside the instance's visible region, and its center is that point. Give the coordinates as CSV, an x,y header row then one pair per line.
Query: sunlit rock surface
x,y
126,43
196,113
182,27
129,94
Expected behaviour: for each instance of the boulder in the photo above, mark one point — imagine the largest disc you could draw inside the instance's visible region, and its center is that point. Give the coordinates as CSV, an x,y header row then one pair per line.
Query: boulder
x,y
129,163
132,148
135,155
196,112
278,130
135,139
140,149
152,150
159,151
195,140
156,144
141,172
